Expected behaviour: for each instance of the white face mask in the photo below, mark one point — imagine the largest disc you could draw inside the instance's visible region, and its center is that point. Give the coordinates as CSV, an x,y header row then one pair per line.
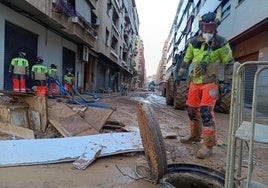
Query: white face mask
x,y
207,36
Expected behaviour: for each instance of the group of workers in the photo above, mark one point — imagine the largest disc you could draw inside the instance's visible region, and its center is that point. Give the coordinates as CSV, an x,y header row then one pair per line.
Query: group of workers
x,y
45,79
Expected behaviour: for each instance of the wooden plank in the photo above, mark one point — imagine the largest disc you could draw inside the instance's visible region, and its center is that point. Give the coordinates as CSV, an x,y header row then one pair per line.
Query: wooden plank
x,y
97,117
73,126
56,150
58,126
131,128
68,122
16,94
57,110
88,156
16,131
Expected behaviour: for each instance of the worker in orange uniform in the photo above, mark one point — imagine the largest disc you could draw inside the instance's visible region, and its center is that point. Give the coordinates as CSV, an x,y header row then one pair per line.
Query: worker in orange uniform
x,y
51,81
19,67
69,81
39,76
206,52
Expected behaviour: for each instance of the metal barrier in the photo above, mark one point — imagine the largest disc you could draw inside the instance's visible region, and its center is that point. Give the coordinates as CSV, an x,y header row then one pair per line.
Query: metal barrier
x,y
241,131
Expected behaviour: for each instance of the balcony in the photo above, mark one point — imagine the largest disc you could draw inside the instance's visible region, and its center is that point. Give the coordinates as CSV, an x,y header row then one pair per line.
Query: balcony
x,y
46,14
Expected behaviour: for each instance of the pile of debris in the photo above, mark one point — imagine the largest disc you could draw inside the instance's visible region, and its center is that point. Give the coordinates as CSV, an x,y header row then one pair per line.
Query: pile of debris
x,y
38,130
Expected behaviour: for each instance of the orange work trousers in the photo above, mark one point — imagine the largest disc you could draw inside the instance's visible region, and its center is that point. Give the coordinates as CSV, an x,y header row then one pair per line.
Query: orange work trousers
x,y
203,97
19,85
41,91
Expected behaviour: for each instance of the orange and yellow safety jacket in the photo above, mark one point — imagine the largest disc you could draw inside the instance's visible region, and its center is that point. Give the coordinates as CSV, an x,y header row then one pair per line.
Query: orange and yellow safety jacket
x,y
218,52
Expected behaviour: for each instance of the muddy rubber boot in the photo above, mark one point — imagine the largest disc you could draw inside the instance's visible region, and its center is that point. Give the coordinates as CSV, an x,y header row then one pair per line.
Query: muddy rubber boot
x,y
190,139
206,149
204,152
196,130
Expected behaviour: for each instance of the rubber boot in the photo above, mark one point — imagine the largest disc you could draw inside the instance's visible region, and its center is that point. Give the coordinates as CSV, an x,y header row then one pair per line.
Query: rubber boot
x,y
196,130
206,150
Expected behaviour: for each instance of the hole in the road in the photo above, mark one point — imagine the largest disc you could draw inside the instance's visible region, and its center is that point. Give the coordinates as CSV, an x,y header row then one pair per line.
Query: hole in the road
x,y
188,180
192,176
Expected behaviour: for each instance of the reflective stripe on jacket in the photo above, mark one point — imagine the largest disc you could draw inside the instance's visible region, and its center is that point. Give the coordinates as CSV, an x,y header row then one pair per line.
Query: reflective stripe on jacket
x,y
39,72
21,65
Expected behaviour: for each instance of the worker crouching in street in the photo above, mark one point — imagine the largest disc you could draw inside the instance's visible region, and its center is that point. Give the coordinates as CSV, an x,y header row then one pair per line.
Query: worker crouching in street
x,y
51,81
39,76
206,51
19,67
69,81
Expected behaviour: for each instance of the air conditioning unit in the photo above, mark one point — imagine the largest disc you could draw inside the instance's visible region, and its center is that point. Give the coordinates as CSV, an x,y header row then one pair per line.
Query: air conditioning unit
x,y
85,55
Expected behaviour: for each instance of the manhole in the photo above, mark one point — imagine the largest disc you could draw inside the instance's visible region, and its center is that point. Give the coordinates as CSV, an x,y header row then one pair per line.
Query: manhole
x,y
170,175
192,176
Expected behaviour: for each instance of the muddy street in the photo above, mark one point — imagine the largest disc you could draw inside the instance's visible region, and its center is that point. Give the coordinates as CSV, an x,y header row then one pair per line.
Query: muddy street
x,y
121,170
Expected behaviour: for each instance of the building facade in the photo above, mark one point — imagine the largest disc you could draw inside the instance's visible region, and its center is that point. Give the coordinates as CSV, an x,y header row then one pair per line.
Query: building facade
x,y
97,39
161,69
247,35
140,66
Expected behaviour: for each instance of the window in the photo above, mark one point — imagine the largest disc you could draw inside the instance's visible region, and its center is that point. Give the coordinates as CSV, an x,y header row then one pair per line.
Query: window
x,y
124,56
197,8
109,6
114,43
226,8
239,1
121,52
107,37
115,17
122,31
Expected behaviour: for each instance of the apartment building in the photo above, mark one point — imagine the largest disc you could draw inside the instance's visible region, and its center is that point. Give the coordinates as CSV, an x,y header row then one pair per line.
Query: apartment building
x,y
140,66
97,39
243,22
161,68
117,42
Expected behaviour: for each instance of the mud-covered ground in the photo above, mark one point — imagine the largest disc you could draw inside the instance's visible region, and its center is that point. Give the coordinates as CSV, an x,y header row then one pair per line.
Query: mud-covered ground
x,y
120,170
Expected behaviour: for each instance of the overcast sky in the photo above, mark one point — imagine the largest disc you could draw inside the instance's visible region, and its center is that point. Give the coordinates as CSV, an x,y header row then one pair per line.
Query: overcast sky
x,y
156,17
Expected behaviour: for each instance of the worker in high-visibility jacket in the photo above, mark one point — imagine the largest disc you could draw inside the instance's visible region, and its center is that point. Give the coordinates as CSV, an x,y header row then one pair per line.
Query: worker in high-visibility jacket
x,y
206,52
39,76
19,67
51,81
69,81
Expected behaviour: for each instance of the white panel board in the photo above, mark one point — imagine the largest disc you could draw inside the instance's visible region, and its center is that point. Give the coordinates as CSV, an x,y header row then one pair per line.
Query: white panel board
x,y
46,151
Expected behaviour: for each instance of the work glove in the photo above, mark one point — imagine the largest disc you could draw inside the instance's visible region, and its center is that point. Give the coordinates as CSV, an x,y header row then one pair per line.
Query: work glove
x,y
201,68
224,88
181,72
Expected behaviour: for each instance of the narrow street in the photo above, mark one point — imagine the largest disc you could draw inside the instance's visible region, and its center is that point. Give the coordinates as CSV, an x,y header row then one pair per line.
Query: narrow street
x,y
119,170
